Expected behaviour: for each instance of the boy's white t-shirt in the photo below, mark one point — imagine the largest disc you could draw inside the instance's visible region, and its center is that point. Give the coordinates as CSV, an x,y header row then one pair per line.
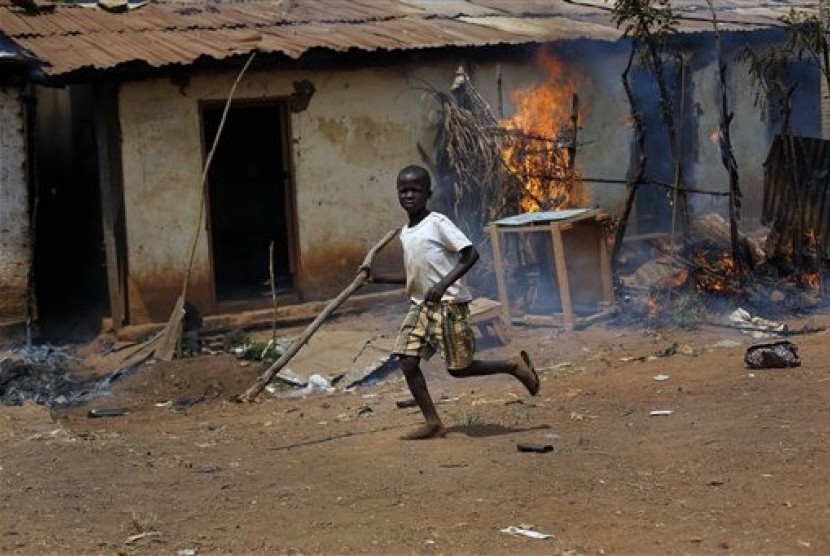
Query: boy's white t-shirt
x,y
430,252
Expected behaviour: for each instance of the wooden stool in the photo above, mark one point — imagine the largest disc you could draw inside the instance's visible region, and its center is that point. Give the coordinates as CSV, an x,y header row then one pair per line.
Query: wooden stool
x,y
487,317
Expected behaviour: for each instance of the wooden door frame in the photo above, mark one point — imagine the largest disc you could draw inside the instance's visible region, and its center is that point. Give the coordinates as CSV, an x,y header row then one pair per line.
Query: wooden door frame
x,y
281,103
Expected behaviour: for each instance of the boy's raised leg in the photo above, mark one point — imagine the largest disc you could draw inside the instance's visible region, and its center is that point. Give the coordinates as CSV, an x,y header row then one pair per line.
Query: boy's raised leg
x,y
519,367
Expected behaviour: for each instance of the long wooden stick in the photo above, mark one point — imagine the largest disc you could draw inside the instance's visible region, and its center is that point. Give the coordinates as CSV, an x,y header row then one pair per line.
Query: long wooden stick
x,y
359,280
169,340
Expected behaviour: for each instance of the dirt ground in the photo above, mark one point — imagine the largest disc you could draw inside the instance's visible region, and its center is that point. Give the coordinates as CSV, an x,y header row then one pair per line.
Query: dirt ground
x,y
740,466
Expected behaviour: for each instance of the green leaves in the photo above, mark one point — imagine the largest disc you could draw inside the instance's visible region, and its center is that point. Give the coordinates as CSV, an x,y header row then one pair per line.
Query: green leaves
x,y
645,19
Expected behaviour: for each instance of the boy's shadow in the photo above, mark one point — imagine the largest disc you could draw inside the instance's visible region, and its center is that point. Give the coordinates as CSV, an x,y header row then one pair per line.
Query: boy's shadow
x,y
484,430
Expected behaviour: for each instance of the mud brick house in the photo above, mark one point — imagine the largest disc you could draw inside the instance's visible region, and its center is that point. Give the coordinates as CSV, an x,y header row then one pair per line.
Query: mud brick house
x,y
101,192
15,236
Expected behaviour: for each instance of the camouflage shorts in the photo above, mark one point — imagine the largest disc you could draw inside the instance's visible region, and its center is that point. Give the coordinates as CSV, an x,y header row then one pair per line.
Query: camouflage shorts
x,y
443,327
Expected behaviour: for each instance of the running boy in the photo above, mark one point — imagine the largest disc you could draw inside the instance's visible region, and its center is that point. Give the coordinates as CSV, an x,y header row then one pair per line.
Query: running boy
x,y
436,255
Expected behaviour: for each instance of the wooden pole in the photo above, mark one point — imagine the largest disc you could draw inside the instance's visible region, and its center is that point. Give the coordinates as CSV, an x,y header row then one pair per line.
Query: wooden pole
x,y
678,195
725,146
105,117
273,291
269,374
500,92
574,131
501,284
636,178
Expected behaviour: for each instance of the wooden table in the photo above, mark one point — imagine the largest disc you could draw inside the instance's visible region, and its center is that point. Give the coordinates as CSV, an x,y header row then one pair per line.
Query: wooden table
x,y
580,262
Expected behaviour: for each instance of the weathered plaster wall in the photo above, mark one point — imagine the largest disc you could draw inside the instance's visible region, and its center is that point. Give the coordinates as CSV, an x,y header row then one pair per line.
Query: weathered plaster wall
x,y
14,210
750,138
605,137
359,129
161,160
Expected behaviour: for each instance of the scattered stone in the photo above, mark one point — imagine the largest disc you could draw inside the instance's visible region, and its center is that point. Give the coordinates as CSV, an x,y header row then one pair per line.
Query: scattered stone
x,y
209,467
536,448
113,412
188,401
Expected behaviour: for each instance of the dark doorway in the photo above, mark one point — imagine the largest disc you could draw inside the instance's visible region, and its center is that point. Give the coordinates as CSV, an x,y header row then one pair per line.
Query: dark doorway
x,y
69,265
249,200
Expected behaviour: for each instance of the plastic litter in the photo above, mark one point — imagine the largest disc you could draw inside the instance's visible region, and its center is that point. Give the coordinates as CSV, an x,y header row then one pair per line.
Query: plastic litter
x,y
660,412
777,355
316,383
757,327
524,532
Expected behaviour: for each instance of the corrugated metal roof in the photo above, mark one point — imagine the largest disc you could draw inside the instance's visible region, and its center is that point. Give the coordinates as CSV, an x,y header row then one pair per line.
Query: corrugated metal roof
x,y
72,37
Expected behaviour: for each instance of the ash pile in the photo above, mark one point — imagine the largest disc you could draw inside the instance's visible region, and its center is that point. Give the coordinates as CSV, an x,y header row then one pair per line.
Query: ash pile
x,y
48,375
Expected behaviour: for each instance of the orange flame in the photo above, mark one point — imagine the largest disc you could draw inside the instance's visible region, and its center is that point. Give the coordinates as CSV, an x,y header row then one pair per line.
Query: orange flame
x,y
717,271
652,306
811,280
538,141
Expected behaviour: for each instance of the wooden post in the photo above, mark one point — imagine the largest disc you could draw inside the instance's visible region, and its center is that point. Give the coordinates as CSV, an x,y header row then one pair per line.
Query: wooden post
x,y
725,144
636,178
824,21
605,266
498,265
499,92
574,131
106,117
562,275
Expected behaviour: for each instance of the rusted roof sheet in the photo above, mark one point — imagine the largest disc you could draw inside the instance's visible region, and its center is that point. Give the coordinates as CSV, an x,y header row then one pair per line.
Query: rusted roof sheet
x,y
72,37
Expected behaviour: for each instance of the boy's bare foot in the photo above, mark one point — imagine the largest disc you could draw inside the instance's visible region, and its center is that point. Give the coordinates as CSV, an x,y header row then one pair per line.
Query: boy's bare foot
x,y
427,430
526,373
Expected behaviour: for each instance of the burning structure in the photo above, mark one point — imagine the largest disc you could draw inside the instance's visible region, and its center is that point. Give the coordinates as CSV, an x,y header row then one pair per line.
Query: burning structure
x,y
540,140
695,261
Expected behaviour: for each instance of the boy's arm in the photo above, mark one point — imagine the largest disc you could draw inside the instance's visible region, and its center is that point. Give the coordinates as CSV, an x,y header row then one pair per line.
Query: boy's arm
x,y
469,256
386,278
381,278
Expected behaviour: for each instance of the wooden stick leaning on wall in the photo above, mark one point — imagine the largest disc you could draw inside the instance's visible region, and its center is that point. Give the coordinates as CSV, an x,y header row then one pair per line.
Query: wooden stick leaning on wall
x,y
172,332
269,374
